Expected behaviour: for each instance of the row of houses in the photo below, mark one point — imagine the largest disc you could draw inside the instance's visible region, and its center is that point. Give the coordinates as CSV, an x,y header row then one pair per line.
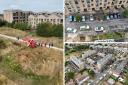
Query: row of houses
x,y
32,18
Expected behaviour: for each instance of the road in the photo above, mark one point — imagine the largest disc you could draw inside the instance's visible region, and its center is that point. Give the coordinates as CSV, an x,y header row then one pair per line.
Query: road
x,y
20,40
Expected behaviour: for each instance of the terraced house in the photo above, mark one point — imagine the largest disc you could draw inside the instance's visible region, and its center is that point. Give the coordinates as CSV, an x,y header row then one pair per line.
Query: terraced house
x,y
74,6
54,18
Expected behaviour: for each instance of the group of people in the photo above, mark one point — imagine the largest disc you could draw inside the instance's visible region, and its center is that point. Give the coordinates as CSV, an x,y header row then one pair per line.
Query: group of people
x,y
44,44
32,43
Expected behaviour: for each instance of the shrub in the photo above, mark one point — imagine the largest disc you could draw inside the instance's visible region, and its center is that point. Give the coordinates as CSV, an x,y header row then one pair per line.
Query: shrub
x,y
49,30
22,26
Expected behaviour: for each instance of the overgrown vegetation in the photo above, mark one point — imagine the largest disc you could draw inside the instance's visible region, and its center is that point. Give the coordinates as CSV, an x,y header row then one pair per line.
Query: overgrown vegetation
x,y
126,80
2,23
43,29
113,35
22,26
70,75
2,44
78,18
16,67
76,48
125,13
49,30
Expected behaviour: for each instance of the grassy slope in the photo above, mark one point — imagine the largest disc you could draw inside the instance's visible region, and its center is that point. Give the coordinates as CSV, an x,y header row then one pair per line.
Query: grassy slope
x,y
33,57
18,33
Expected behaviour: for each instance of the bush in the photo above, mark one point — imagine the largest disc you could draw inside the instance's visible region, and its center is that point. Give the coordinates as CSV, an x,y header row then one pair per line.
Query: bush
x,y
81,47
21,26
2,23
125,13
49,30
78,18
2,44
70,75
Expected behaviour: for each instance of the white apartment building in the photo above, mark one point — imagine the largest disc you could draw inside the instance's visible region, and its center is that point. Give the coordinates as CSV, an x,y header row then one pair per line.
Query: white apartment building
x,y
81,6
54,18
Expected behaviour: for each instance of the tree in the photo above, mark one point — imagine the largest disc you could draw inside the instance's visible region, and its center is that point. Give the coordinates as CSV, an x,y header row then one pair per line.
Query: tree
x,y
91,73
49,30
2,23
22,26
125,13
126,80
70,75
78,18
58,30
44,29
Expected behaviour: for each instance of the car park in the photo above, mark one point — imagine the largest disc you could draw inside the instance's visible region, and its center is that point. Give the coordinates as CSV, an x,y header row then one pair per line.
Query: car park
x,y
115,16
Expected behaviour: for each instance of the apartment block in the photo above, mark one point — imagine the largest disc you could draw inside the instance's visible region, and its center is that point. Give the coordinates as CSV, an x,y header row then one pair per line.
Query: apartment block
x,y
17,16
1,17
37,18
81,6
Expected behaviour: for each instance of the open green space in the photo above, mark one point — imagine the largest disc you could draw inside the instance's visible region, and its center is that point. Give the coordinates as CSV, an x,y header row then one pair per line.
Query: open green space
x,y
113,35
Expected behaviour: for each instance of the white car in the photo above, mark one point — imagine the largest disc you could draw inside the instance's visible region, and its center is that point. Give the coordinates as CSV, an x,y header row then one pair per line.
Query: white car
x,y
74,18
101,78
104,75
108,18
91,18
83,18
99,29
71,30
83,28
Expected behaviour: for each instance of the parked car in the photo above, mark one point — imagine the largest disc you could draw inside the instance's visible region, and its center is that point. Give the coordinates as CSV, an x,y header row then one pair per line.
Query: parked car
x,y
118,15
70,18
91,18
108,18
111,16
84,28
71,30
99,29
74,18
115,16
83,18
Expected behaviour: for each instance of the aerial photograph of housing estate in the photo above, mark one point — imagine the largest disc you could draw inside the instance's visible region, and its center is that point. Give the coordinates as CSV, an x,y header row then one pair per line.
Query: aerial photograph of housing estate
x,y
96,20
96,64
31,42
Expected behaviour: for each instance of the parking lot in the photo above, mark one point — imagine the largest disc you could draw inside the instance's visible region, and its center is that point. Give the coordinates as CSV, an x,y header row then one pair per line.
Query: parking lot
x,y
108,25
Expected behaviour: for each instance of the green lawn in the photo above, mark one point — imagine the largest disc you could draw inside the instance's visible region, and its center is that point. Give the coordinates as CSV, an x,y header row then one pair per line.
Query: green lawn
x,y
113,35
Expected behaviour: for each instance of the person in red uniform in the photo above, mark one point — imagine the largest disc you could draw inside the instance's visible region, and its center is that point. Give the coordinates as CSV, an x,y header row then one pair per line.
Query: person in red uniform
x,y
32,44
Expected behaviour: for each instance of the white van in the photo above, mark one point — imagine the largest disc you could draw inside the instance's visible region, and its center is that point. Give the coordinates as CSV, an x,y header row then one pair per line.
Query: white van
x,y
84,28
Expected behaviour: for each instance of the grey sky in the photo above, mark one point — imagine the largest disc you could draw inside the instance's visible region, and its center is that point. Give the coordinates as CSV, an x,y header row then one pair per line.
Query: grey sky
x,y
33,5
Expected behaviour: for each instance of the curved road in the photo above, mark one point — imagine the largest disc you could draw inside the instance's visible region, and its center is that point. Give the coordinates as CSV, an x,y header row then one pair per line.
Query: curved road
x,y
15,39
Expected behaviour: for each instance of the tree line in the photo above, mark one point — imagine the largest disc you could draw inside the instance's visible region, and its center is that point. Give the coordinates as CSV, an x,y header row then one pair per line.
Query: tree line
x,y
43,29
